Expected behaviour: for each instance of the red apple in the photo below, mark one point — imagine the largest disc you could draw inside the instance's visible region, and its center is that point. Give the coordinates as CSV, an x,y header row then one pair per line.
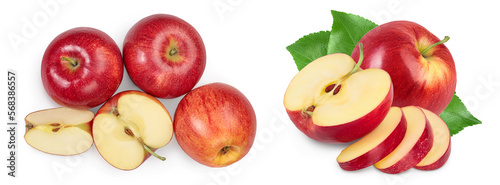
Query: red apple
x,y
215,124
129,127
422,72
332,100
82,68
164,55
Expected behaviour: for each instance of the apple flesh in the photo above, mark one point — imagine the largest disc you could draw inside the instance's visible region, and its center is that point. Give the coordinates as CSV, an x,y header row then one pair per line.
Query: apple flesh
x,y
82,68
377,144
164,55
129,127
441,147
215,124
332,100
59,131
421,67
415,145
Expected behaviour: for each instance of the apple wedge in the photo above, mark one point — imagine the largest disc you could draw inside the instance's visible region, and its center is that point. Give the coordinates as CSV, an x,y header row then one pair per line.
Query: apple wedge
x,y
414,146
332,100
59,131
129,127
375,145
441,147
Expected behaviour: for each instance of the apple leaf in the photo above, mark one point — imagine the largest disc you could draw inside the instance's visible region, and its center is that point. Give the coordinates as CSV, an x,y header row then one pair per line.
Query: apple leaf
x,y
457,117
309,48
347,30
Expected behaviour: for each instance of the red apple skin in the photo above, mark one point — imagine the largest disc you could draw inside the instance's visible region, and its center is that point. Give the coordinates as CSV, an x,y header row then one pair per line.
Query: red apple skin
x,y
346,132
416,154
95,78
211,117
395,47
146,55
112,103
380,151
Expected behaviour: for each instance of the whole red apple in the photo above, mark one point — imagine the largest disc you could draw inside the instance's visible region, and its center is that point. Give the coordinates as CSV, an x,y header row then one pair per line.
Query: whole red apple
x,y
164,55
215,124
81,68
421,66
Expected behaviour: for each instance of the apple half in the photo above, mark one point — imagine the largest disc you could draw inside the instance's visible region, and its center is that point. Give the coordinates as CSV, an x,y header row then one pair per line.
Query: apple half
x,y
415,145
441,147
332,100
129,127
375,145
59,131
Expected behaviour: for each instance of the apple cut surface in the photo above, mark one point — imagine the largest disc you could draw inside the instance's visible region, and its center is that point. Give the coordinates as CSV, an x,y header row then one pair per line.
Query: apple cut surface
x,y
59,131
375,145
330,102
441,147
414,146
126,128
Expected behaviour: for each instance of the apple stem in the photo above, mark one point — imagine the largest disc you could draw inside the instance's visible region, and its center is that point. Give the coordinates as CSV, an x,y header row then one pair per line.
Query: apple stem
x,y
360,60
446,38
70,60
173,51
153,153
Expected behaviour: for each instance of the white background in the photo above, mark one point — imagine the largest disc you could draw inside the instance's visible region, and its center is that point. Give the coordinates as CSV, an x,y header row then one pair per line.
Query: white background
x,y
245,45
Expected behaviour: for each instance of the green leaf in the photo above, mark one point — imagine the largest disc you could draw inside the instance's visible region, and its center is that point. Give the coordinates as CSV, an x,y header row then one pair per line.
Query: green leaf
x,y
457,117
309,48
347,30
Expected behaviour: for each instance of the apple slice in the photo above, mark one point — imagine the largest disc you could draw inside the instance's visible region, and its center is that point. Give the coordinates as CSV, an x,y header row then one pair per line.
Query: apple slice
x,y
414,146
59,131
441,147
129,127
375,145
332,100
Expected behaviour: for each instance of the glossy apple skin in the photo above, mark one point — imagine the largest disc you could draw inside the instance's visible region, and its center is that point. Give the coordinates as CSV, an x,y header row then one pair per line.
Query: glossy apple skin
x,y
112,103
211,117
145,51
346,132
96,77
428,82
380,151
416,154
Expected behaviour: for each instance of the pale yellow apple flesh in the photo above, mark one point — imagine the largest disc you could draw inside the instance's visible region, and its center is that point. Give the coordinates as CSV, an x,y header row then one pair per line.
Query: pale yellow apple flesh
x,y
374,138
136,124
347,101
441,142
59,131
416,124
